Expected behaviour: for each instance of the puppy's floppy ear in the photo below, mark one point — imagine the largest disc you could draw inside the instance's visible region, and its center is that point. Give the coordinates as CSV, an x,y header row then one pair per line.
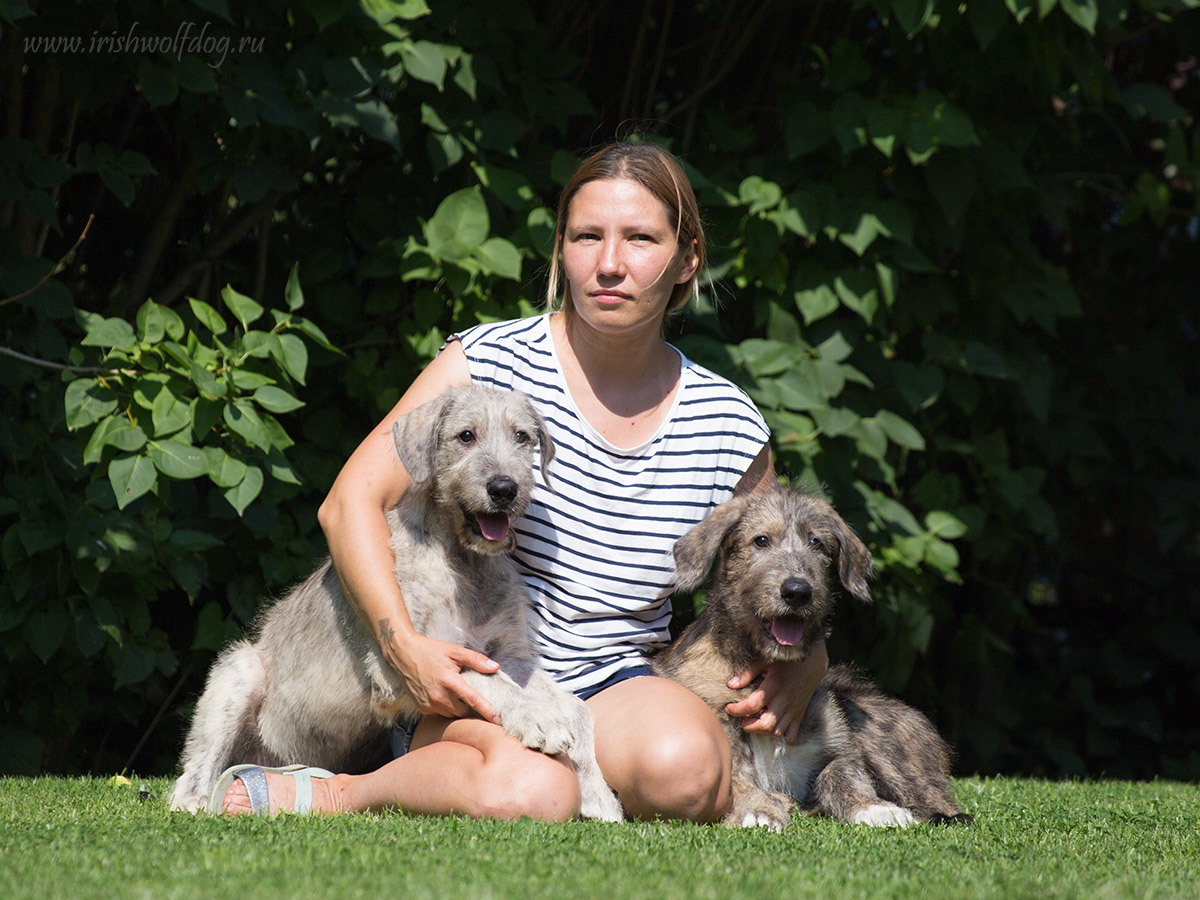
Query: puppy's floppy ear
x,y
694,551
416,437
853,560
545,444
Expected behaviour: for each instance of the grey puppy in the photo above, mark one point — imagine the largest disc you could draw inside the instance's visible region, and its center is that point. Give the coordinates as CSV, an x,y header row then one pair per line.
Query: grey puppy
x,y
313,687
861,756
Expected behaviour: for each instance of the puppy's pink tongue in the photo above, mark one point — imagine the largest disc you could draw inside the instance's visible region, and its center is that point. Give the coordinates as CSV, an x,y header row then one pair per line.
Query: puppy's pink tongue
x,y
788,631
493,526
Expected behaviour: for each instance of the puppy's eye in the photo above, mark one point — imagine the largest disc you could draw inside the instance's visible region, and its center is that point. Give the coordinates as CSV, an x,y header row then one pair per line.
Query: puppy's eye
x,y
762,540
816,544
521,437
466,438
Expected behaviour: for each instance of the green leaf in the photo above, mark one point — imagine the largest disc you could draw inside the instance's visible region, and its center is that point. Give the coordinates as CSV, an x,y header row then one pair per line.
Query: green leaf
x,y
243,493
497,256
169,413
759,194
243,308
857,291
116,431
459,226
868,228
899,431
207,383
177,459
425,61
944,525
225,471
292,356
86,401
244,420
292,292
276,399
131,477
817,303
113,332
835,422
151,324
208,316
765,358
1083,13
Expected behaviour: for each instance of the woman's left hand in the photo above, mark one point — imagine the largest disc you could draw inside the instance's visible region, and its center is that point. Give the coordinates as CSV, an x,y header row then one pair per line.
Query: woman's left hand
x,y
779,702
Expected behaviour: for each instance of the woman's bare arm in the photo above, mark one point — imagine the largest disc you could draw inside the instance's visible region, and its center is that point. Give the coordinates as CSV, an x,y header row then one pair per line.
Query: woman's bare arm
x,y
373,481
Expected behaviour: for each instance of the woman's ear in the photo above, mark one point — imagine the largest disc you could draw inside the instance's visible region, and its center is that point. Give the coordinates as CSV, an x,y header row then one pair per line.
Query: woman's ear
x,y
688,264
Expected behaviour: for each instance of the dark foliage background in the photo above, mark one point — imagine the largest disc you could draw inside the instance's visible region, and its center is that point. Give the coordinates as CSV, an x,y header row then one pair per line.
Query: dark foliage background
x,y
955,263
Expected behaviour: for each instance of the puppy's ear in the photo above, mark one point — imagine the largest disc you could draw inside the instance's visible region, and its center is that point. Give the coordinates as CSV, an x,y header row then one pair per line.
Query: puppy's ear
x,y
853,560
694,551
545,444
416,437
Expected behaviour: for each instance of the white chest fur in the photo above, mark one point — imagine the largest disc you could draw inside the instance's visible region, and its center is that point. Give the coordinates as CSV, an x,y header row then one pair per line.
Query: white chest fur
x,y
790,768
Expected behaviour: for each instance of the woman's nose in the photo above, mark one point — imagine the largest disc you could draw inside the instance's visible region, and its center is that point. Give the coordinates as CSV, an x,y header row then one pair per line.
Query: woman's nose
x,y
610,262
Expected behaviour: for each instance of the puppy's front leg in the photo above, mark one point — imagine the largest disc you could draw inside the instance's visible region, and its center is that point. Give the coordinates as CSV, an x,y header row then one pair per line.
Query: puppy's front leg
x,y
754,806
537,725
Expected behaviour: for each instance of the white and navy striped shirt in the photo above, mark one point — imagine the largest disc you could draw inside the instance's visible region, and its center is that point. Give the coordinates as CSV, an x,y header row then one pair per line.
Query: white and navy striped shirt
x,y
596,551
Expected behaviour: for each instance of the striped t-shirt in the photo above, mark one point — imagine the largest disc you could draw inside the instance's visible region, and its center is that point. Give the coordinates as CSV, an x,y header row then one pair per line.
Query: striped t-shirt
x,y
596,551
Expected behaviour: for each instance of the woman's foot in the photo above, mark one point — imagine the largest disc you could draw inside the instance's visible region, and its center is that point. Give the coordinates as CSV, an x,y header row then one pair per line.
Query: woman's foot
x,y
262,790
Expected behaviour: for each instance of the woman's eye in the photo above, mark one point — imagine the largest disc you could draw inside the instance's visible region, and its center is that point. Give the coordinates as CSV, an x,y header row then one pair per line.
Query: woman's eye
x,y
466,437
762,541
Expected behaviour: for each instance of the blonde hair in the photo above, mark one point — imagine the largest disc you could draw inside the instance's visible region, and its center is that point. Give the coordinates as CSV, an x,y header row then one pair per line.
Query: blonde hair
x,y
659,172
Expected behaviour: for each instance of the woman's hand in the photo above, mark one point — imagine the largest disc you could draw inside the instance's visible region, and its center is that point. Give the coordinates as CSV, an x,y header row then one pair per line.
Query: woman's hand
x,y
779,702
432,671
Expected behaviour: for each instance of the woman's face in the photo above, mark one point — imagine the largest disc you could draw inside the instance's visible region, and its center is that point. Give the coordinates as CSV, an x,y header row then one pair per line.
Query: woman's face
x,y
620,257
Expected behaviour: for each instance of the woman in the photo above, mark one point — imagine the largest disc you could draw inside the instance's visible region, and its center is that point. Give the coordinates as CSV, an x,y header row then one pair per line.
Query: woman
x,y
647,443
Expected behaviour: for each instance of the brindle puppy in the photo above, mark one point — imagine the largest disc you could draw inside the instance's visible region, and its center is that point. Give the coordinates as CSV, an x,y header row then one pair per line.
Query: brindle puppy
x,y
861,756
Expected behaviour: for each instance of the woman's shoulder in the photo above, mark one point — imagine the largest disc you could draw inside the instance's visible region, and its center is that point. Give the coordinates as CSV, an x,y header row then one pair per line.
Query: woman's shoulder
x,y
505,332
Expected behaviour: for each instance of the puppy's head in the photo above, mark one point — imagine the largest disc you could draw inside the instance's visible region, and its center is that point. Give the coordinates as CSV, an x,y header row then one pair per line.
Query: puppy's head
x,y
780,554
472,450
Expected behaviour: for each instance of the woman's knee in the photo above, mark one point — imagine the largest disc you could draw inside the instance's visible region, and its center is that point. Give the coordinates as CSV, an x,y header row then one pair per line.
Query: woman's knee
x,y
685,774
529,784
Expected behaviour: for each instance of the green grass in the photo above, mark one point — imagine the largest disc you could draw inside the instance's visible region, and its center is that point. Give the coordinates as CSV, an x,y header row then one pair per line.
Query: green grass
x,y
83,838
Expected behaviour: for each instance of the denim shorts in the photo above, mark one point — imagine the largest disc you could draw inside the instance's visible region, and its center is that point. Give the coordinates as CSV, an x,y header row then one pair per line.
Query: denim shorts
x,y
402,734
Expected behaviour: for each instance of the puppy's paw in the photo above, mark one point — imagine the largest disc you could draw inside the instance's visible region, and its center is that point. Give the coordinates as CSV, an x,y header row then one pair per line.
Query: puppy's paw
x,y
883,815
760,809
599,802
542,729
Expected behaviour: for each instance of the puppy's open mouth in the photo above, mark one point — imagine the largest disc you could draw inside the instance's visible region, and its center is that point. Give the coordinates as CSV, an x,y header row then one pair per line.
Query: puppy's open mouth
x,y
490,526
786,630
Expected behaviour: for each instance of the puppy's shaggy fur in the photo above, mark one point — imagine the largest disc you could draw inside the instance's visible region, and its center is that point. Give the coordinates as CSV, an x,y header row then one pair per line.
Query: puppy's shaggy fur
x,y
314,688
861,756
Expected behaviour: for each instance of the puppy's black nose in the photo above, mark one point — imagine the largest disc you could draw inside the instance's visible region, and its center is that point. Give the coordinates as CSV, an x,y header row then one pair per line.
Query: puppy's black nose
x,y
502,489
796,591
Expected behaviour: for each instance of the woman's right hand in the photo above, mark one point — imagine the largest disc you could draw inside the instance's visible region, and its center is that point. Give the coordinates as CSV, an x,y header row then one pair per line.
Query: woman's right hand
x,y
432,671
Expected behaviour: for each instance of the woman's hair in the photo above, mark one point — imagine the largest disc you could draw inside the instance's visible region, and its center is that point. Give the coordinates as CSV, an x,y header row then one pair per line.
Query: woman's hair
x,y
659,172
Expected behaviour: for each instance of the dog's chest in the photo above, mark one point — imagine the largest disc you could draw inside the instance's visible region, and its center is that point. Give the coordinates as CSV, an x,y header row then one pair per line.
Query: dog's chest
x,y
790,768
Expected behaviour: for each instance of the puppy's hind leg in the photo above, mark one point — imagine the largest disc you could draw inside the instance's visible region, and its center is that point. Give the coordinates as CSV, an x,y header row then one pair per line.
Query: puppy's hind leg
x,y
844,791
224,728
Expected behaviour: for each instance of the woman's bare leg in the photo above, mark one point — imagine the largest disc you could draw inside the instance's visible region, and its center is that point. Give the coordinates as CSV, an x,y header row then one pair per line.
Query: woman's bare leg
x,y
662,750
454,767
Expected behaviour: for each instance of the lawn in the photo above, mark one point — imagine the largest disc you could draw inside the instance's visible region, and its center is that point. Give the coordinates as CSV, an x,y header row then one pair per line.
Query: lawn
x,y
84,838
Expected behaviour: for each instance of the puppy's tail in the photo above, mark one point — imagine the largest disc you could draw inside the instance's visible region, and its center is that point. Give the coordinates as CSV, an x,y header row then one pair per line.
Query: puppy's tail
x,y
225,726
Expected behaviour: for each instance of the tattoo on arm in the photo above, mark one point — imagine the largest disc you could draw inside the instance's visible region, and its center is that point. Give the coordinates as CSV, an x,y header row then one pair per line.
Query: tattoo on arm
x,y
387,635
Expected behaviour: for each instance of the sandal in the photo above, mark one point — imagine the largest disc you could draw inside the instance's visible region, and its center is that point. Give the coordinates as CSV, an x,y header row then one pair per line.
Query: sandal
x,y
254,777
